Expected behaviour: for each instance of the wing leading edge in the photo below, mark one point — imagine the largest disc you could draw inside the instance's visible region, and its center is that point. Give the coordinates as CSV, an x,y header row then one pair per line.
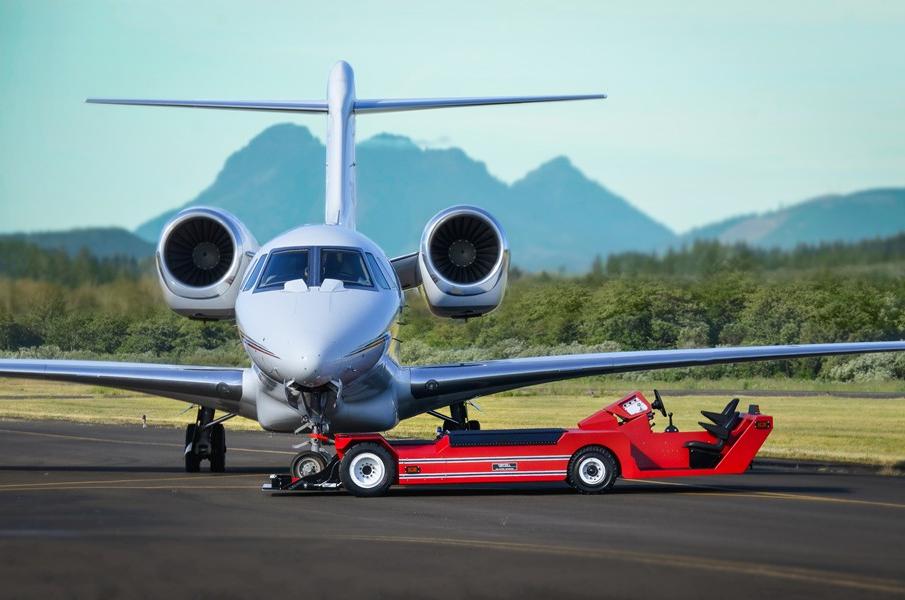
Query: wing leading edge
x,y
445,384
218,388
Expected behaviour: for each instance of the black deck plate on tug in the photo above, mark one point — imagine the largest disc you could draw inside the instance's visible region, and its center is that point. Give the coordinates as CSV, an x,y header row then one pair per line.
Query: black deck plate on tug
x,y
505,437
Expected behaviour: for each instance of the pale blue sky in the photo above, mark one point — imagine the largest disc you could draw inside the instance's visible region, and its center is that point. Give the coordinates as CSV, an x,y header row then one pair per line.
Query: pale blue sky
x,y
715,108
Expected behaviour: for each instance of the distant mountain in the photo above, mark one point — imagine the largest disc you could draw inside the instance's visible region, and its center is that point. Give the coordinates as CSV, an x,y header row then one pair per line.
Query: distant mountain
x,y
847,218
102,242
555,216
566,219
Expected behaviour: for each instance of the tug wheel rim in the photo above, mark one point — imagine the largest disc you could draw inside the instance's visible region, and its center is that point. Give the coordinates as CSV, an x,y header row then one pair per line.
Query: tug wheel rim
x,y
367,470
591,470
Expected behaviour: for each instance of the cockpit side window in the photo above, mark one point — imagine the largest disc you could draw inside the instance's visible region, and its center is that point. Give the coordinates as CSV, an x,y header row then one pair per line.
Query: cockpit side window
x,y
377,271
344,264
285,265
253,274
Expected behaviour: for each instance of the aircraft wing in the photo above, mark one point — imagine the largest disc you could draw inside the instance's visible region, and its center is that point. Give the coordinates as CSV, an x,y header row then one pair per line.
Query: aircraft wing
x,y
214,387
456,382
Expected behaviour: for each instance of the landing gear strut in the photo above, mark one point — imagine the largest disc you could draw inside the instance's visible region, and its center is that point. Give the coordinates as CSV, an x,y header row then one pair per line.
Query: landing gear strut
x,y
458,419
205,439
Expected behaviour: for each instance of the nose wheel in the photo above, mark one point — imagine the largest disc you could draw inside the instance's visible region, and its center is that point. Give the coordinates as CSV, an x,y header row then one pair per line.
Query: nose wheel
x,y
308,463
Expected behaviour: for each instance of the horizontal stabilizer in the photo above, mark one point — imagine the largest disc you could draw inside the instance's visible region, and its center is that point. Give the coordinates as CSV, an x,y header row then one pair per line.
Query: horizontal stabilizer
x,y
301,106
399,104
361,106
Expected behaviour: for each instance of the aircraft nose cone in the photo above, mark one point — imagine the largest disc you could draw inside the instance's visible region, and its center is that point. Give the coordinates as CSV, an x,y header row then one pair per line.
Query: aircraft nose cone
x,y
309,368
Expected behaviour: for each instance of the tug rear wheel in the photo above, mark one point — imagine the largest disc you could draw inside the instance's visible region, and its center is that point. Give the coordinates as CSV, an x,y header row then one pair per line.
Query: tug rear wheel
x,y
307,463
367,469
592,470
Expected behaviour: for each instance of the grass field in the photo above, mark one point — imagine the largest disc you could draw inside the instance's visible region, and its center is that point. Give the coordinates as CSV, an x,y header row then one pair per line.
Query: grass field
x,y
851,430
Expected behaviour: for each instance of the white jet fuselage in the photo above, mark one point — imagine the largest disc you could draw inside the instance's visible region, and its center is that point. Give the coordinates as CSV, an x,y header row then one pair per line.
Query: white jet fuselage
x,y
324,323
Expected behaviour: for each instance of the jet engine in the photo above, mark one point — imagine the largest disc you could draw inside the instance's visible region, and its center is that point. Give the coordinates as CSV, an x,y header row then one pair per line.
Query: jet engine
x,y
201,258
463,262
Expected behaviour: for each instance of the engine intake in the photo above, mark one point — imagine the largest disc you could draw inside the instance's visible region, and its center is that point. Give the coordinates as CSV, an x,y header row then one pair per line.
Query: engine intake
x,y
464,262
465,248
199,251
201,257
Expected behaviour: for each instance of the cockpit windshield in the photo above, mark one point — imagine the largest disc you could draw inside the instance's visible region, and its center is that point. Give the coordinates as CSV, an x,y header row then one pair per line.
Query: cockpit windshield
x,y
285,265
313,265
344,264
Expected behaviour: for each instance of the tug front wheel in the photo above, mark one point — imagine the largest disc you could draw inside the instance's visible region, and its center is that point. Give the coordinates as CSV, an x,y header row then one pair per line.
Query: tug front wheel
x,y
367,469
592,470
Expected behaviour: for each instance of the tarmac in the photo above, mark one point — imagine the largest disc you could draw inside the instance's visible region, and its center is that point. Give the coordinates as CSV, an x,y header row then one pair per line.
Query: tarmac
x,y
107,512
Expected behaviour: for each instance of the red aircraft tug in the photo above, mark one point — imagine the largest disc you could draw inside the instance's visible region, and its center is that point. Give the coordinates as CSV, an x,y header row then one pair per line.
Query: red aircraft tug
x,y
616,441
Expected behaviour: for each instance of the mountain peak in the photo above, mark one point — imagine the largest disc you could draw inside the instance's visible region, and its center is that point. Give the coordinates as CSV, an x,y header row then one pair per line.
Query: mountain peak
x,y
558,162
390,140
559,170
283,132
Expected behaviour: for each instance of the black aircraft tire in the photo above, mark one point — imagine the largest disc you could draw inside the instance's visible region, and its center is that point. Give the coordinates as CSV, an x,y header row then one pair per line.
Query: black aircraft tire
x,y
192,460
592,470
367,470
307,463
218,448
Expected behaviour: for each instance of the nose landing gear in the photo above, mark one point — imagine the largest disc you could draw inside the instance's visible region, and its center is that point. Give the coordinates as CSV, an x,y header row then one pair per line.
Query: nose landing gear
x,y
313,460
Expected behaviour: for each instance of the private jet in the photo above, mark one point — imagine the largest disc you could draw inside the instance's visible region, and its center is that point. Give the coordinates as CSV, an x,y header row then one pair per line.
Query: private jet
x,y
316,305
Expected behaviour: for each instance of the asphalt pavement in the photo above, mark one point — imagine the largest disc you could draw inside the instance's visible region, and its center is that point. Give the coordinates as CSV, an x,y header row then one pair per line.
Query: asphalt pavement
x,y
107,512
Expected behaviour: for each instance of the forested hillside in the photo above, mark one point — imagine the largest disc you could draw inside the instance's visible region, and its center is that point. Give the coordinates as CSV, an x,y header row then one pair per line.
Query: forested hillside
x,y
82,307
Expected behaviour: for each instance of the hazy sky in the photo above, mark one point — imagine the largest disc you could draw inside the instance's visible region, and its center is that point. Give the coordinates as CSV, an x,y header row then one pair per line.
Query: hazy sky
x,y
715,108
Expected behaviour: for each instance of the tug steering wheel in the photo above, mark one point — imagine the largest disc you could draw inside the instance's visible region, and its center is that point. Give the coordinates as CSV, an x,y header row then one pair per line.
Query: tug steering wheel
x,y
657,404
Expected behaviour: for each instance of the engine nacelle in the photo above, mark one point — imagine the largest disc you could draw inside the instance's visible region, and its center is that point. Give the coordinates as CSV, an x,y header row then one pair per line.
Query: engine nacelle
x,y
201,258
464,262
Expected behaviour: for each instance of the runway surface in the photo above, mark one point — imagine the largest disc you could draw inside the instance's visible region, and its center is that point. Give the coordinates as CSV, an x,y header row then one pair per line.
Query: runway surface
x,y
98,511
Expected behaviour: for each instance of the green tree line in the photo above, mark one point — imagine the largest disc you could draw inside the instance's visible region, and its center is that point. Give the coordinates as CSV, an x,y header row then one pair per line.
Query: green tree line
x,y
21,259
707,257
712,300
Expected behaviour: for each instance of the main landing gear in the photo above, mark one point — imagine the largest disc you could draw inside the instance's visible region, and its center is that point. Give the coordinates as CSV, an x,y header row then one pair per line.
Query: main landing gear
x,y
205,439
458,419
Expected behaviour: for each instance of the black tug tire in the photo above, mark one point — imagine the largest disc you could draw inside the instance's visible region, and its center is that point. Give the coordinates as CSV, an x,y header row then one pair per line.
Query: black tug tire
x,y
307,463
367,470
192,460
473,426
593,470
218,448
